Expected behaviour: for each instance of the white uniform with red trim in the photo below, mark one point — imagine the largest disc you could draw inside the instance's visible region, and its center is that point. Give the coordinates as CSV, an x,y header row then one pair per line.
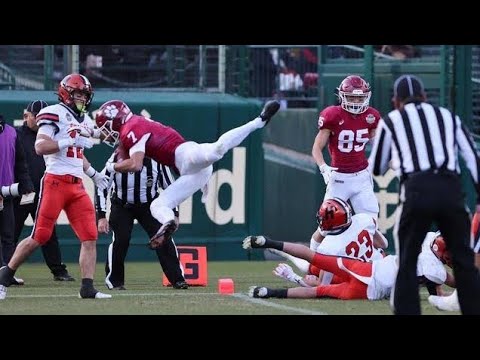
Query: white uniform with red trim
x,y
384,271
356,242
55,120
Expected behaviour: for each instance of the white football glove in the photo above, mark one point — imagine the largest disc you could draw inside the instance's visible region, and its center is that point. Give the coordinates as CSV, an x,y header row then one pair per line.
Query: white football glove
x,y
110,166
326,172
82,142
286,272
100,180
77,140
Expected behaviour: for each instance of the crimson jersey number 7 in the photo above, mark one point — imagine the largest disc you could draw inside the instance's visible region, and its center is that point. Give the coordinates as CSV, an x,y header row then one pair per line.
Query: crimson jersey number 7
x,y
362,247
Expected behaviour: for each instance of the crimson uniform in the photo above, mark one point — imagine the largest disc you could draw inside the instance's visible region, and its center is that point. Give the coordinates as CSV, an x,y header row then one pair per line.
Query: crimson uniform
x,y
162,143
192,161
349,135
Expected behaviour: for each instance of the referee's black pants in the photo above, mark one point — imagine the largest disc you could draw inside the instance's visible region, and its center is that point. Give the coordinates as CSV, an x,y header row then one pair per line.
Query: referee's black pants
x,y
434,198
121,224
51,250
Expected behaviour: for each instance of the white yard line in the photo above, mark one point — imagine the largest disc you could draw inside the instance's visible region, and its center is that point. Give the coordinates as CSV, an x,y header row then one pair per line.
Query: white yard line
x,y
278,306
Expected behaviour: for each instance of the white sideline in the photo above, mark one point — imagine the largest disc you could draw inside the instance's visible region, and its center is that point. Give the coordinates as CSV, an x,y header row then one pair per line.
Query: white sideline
x,y
278,306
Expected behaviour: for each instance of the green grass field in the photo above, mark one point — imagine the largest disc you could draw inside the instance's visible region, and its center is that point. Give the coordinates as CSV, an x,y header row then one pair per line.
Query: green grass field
x,y
145,294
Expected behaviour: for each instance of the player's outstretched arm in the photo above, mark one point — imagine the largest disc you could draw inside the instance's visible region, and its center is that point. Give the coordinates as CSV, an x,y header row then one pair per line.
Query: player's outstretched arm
x,y
133,164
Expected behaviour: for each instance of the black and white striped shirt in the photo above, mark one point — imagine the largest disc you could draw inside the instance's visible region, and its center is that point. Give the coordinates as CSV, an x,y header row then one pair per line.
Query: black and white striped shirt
x,y
134,188
422,137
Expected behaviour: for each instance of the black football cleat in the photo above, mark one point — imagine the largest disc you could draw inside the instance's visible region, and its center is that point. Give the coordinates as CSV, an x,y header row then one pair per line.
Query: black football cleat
x,y
180,285
63,277
271,107
164,234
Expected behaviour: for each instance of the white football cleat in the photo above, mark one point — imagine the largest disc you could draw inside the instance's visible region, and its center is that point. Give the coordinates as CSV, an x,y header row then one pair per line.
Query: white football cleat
x,y
100,295
3,292
445,303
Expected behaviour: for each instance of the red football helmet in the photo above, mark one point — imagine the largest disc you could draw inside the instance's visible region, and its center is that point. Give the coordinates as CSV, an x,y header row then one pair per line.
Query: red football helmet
x,y
439,248
110,118
75,83
334,216
354,94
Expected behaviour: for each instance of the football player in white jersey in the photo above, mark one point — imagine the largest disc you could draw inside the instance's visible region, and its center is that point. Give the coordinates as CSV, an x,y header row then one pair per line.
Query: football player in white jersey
x,y
355,241
356,279
64,132
450,302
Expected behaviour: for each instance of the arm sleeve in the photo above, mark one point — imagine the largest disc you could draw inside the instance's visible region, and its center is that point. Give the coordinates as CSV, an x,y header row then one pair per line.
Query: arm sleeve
x,y
381,150
21,171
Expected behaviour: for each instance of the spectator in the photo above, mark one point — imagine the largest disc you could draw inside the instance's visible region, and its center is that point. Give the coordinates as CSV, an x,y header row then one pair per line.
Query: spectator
x,y
14,170
400,52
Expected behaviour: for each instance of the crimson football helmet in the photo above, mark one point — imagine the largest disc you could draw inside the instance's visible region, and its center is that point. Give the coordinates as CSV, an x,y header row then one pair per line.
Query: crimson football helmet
x,y
75,83
354,94
334,216
439,248
110,118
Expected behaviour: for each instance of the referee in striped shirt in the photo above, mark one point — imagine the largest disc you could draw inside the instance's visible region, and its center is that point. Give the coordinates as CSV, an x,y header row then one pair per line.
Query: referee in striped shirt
x,y
421,142
131,196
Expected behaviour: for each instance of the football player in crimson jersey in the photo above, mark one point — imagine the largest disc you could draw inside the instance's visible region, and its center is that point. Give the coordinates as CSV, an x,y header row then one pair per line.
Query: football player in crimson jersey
x,y
356,279
144,137
64,132
346,129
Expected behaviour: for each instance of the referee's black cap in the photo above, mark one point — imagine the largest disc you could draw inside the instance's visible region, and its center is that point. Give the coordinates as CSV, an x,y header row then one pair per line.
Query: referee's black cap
x,y
408,86
35,106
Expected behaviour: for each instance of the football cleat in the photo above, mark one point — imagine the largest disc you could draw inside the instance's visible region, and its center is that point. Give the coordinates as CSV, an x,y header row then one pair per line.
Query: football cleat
x,y
92,293
258,292
253,242
164,233
271,107
3,292
445,303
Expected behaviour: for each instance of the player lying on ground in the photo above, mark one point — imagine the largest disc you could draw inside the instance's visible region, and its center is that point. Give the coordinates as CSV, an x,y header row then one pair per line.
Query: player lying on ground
x,y
450,303
356,241
357,279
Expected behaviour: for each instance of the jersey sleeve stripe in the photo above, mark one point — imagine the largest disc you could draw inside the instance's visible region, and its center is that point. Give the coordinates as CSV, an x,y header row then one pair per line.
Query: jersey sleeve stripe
x,y
48,116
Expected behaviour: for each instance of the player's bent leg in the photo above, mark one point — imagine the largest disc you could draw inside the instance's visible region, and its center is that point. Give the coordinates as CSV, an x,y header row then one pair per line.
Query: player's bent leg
x,y
301,264
344,291
184,187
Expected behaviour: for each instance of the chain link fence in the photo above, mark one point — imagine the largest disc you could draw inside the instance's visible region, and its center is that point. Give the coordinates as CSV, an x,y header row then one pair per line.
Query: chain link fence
x,y
300,76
